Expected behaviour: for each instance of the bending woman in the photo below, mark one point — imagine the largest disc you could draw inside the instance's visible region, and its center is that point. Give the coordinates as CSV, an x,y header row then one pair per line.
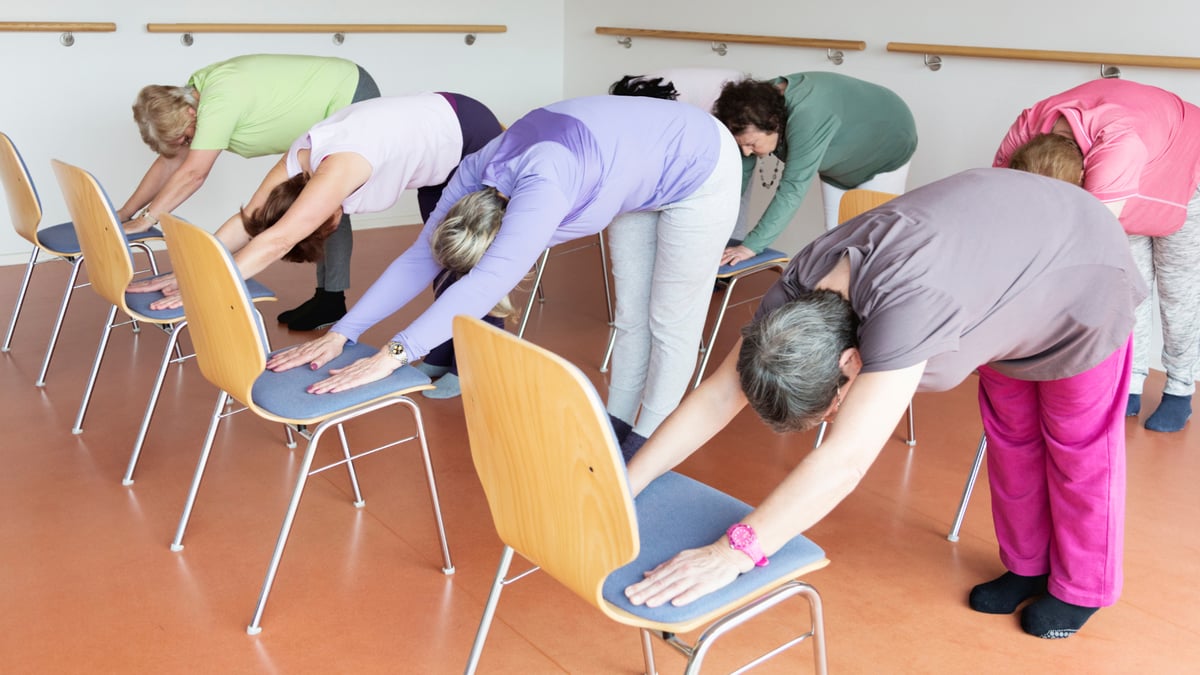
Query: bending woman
x,y
661,177
847,132
1024,278
1137,149
360,160
252,106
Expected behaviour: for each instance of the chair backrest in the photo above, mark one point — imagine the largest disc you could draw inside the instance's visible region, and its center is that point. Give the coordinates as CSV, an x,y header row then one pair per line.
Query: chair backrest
x,y
547,458
24,207
222,321
110,263
855,202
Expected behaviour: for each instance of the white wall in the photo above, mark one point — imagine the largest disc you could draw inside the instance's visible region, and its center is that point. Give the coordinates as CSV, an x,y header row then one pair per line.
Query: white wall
x,y
962,111
74,103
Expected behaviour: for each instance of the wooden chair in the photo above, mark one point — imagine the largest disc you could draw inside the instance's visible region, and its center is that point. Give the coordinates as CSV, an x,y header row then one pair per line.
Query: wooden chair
x,y
231,350
59,242
556,486
110,269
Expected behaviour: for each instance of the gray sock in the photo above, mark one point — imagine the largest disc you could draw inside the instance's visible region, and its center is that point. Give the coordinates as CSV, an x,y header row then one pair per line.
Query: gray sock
x,y
446,387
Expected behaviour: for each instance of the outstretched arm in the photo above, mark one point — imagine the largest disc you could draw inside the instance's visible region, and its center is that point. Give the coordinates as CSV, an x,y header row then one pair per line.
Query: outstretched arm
x,y
827,475
182,183
154,180
336,178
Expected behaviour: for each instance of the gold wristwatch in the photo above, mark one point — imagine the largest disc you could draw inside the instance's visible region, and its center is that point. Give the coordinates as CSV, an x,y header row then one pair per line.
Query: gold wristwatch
x,y
396,350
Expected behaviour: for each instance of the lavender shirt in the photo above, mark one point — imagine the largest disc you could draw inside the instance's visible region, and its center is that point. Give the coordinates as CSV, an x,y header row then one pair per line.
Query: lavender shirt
x,y
568,170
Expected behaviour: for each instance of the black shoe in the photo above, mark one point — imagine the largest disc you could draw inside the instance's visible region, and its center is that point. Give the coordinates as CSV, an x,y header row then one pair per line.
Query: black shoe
x,y
304,308
329,307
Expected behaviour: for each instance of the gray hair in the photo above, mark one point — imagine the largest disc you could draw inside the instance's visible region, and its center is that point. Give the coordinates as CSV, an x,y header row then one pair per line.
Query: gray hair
x,y
464,235
161,115
789,361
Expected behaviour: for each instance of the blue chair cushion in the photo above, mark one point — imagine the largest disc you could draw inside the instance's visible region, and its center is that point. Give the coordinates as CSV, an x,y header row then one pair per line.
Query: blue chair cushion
x,y
286,393
62,238
767,255
139,303
676,513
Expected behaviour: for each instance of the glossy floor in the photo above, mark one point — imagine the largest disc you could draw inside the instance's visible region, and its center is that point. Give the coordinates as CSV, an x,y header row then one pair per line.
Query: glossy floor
x,y
87,583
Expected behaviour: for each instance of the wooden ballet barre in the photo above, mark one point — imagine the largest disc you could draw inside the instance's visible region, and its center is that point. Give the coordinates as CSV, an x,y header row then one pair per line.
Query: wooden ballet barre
x,y
57,27
322,28
629,33
1098,58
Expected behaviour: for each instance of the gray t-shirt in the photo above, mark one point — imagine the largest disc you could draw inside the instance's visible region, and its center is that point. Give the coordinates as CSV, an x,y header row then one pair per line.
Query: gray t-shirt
x,y
1027,274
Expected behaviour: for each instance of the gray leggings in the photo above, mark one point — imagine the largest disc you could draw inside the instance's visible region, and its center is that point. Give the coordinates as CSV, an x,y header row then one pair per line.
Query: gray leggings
x,y
333,271
1171,265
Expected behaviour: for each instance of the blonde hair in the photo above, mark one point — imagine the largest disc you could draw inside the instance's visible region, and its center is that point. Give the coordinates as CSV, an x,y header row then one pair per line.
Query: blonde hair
x,y
161,113
464,235
1050,155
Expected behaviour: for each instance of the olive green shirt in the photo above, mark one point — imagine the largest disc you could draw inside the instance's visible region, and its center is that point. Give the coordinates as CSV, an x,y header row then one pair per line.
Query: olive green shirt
x,y
844,130
258,104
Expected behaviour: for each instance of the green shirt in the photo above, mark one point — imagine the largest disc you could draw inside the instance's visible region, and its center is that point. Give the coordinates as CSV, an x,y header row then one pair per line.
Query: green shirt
x,y
842,129
257,105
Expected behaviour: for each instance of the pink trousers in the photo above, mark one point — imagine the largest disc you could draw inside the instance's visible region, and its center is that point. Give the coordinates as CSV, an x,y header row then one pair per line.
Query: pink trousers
x,y
1056,465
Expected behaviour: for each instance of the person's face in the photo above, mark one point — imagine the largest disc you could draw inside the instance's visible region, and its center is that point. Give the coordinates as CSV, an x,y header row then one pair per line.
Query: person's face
x,y
755,141
190,132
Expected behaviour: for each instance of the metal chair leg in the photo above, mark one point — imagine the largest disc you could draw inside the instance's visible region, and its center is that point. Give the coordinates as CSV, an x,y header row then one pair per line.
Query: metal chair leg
x,y
91,383
12,324
706,348
177,542
359,502
172,346
540,268
608,351
820,434
912,433
489,610
648,652
62,312
730,621
968,489
289,517
608,299
447,565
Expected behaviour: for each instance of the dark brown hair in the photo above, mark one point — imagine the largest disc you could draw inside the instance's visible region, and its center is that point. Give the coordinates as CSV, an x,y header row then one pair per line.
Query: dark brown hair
x,y
751,103
280,199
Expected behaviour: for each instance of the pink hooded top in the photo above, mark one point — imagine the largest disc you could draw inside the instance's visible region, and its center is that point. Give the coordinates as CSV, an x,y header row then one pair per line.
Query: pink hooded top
x,y
1140,144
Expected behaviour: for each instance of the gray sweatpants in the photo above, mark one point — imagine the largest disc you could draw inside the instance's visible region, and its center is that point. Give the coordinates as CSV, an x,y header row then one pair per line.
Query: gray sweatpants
x,y
333,271
663,264
1171,264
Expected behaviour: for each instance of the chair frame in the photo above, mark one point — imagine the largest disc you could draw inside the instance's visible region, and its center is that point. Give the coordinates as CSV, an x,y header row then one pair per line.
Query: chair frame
x,y
231,352
25,210
539,270
499,368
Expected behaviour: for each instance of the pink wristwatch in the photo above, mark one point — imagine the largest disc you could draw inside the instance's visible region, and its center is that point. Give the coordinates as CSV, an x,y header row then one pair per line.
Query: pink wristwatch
x,y
743,538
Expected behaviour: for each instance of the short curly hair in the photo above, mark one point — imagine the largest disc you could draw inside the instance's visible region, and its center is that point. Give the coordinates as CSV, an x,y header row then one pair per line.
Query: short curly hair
x,y
161,113
750,103
279,200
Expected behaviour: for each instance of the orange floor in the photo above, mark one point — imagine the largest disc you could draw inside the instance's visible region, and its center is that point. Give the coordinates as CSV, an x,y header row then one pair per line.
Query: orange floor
x,y
88,585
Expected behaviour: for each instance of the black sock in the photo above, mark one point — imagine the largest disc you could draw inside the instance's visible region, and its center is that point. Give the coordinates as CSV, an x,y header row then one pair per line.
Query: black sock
x,y
632,443
301,309
1053,619
1004,594
621,428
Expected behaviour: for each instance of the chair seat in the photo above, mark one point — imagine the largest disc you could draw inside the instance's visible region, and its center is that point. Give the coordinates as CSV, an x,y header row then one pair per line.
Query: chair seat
x,y
676,513
769,255
139,303
286,393
62,239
